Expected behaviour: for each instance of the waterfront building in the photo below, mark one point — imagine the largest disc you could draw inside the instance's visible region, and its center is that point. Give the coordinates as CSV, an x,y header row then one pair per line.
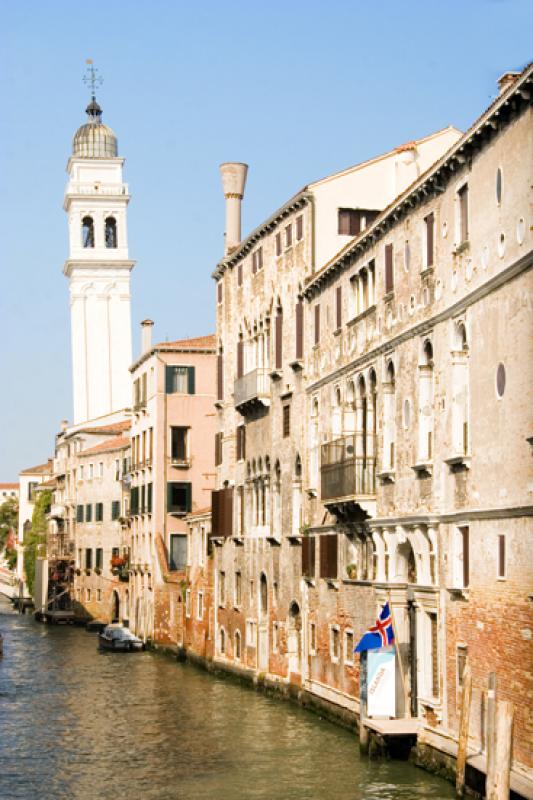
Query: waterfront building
x,y
8,490
172,472
29,479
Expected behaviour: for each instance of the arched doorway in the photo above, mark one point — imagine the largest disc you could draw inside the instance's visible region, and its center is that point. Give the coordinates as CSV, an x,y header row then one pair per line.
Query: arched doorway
x,y
115,607
294,638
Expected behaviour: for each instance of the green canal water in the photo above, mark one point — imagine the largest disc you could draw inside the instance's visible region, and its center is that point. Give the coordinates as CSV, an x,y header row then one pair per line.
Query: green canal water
x,y
76,724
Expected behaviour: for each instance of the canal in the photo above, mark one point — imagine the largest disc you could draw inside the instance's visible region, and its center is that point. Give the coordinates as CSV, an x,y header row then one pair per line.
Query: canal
x,y
76,724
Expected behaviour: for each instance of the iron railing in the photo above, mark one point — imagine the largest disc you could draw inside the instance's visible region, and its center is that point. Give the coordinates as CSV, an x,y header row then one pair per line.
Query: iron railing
x,y
345,472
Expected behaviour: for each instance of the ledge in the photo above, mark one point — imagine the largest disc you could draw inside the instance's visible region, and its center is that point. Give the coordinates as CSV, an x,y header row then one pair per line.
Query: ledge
x,y
458,592
276,374
386,475
461,248
297,365
458,462
427,273
337,332
423,468
366,313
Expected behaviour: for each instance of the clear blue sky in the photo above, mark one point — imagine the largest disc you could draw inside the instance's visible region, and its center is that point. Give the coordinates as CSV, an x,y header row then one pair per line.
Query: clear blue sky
x,y
297,90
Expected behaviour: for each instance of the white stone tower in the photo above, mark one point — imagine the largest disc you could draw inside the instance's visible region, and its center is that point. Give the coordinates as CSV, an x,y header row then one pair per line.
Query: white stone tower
x,y
98,269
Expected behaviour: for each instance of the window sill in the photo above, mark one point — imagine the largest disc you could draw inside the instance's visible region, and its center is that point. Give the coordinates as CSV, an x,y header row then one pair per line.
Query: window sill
x,y
180,464
387,476
463,247
427,272
294,538
297,365
273,539
458,462
458,592
366,313
333,583
276,374
423,468
389,296
337,332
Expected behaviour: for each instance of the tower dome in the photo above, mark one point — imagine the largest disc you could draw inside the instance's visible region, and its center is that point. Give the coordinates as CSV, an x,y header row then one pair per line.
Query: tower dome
x,y
94,139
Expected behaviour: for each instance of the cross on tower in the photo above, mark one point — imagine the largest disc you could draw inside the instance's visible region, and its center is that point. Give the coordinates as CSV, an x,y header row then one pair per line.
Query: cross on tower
x,y
92,78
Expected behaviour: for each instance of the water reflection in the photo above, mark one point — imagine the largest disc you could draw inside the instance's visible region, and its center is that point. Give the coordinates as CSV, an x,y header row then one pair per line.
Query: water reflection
x,y
79,725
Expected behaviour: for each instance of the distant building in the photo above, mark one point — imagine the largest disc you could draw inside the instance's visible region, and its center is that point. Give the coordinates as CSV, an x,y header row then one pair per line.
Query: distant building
x,y
8,490
29,479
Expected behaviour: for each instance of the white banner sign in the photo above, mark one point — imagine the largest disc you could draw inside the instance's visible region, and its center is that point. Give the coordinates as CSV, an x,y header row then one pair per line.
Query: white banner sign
x,y
381,696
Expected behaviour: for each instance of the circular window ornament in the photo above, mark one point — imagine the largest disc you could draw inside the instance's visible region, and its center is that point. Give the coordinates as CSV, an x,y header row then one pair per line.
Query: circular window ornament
x,y
521,230
406,413
501,245
500,380
499,186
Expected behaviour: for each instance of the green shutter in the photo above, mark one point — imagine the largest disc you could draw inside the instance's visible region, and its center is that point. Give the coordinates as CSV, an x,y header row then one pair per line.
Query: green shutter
x,y
189,497
169,497
191,380
169,380
149,501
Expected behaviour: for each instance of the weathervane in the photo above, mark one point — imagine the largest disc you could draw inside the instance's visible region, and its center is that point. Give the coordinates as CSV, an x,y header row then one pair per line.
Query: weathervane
x,y
92,78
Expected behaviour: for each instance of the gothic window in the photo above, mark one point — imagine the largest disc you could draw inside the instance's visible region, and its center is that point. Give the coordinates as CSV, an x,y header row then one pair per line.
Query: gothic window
x,y
111,232
425,404
389,430
87,232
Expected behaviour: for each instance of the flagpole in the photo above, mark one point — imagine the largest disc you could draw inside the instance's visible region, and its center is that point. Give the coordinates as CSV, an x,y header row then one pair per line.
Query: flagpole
x,y
396,640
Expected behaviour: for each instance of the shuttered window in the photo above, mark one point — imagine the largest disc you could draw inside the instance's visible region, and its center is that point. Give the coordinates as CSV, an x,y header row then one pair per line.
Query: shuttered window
x,y
463,213
501,556
134,500
279,339
278,244
286,421
115,509
328,556
430,239
220,377
88,513
349,221
317,323
179,380
239,275
241,443
299,227
218,449
79,513
99,512
149,492
222,512
99,558
299,330
308,556
288,236
178,551
338,298
240,358
389,269
179,498
178,444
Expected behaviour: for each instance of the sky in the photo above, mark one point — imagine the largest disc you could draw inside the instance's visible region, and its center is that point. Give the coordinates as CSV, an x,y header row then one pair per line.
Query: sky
x,y
297,90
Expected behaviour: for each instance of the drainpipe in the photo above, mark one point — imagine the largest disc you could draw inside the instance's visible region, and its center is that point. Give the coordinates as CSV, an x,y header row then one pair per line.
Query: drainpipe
x,y
411,610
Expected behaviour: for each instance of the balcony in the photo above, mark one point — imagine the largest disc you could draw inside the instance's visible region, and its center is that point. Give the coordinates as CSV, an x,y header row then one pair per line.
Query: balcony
x,y
252,391
57,511
348,479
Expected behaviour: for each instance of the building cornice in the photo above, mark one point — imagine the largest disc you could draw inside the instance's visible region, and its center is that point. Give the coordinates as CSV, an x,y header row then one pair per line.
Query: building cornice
x,y
209,351
464,515
522,265
434,181
96,265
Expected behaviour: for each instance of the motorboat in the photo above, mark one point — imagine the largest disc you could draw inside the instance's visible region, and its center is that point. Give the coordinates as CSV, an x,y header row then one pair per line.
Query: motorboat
x,y
119,639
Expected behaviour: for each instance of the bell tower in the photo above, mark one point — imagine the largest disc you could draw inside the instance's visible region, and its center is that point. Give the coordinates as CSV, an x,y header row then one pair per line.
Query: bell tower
x,y
98,268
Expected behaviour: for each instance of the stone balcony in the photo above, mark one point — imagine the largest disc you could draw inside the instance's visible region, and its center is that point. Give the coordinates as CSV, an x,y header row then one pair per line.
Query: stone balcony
x,y
348,477
252,391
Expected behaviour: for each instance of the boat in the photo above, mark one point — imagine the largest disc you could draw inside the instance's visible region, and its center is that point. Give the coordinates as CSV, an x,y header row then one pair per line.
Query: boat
x,y
119,639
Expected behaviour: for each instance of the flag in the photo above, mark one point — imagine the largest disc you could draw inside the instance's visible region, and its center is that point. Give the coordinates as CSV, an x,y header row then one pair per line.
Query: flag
x,y
380,635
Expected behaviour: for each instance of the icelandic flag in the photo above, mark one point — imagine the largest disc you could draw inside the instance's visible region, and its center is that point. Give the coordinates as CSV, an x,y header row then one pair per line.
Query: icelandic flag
x,y
380,635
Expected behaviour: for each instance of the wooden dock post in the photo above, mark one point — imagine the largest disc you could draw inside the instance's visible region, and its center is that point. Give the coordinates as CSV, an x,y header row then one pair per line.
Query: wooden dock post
x,y
491,727
500,778
364,734
463,732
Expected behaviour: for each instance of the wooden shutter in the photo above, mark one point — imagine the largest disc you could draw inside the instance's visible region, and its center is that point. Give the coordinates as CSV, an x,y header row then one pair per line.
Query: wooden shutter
x,y
299,330
463,200
191,380
218,449
344,222
466,556
215,513
169,380
254,263
279,340
278,244
354,222
239,275
220,377
389,269
299,227
219,291
430,224
317,323
240,359
228,511
339,306
328,556
188,497
501,556
308,556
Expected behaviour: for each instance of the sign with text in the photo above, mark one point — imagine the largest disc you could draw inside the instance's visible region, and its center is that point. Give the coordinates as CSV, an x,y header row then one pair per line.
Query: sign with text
x,y
381,683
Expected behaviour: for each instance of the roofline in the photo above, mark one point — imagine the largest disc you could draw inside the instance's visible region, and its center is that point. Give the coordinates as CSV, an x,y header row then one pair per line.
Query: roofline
x,y
92,451
162,348
428,183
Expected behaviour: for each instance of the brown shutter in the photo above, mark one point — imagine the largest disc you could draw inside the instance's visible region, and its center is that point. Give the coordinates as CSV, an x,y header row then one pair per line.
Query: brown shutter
x,y
308,556
389,269
279,340
239,275
299,330
299,227
240,359
501,556
355,222
218,449
430,224
344,222
466,556
254,264
215,513
228,511
278,244
328,556
220,377
317,323
243,442
463,199
339,306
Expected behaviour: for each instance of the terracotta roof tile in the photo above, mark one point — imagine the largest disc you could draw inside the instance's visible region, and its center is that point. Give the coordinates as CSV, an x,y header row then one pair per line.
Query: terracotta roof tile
x,y
114,427
9,486
118,443
40,469
198,343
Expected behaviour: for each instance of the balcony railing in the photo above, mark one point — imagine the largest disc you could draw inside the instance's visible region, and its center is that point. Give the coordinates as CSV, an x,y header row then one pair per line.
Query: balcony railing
x,y
252,389
345,472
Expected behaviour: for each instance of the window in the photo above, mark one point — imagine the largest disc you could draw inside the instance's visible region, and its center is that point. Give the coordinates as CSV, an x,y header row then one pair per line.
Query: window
x,y
429,224
500,380
299,228
462,196
101,469
87,232
286,421
239,275
115,509
79,513
499,186
178,444
328,556
251,639
178,551
99,558
278,244
241,443
465,536
257,260
312,638
338,306
334,643
179,380
288,236
219,292
31,490
88,595
99,512
99,595
501,556
179,498
111,232
279,339
149,493
349,222
348,647
187,602
218,447
91,471
275,637
317,323
462,655
221,588
222,639
237,645
434,643
389,269
299,330
238,589
308,556
88,558
88,513
200,606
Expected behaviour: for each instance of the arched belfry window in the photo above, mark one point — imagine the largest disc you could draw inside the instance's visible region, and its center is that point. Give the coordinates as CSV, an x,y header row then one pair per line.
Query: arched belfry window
x,y
110,232
87,232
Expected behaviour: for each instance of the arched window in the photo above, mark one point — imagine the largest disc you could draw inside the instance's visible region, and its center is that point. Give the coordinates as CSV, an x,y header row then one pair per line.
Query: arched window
x,y
222,640
263,590
389,427
110,232
237,645
87,232
425,404
460,391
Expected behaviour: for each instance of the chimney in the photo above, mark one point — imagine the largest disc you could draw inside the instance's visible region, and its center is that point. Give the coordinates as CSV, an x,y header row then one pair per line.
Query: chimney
x,y
233,181
505,80
146,335
64,425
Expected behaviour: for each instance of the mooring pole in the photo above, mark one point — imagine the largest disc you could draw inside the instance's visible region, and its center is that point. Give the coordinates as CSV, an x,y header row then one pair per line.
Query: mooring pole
x,y
463,732
363,687
491,727
500,781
